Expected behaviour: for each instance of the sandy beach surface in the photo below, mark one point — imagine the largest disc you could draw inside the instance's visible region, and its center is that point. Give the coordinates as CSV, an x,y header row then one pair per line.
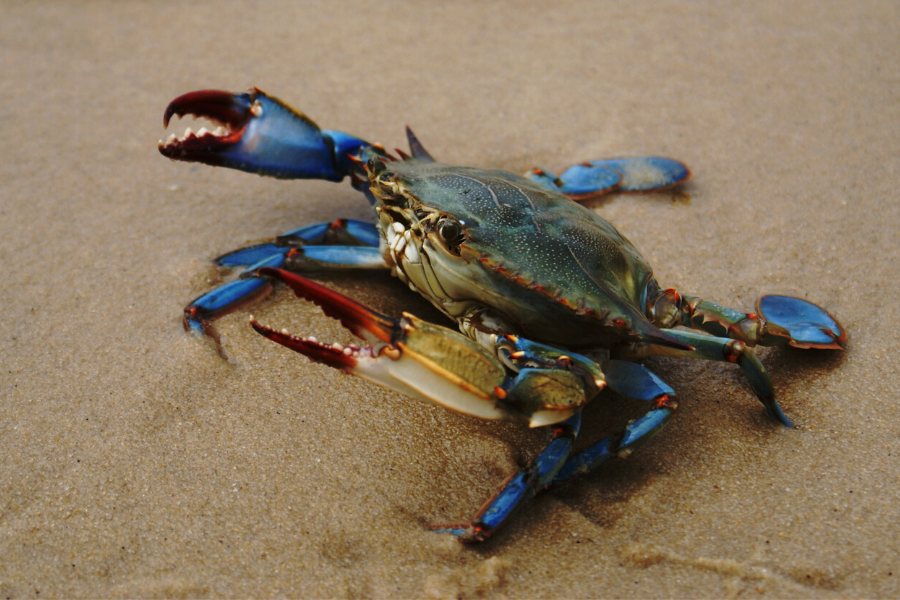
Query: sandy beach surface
x,y
138,463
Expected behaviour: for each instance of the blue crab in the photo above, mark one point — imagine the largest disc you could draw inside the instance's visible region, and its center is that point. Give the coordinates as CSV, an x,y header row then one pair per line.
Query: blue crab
x,y
552,303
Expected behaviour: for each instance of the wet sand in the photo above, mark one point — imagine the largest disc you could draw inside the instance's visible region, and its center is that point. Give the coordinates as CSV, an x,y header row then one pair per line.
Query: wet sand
x,y
138,463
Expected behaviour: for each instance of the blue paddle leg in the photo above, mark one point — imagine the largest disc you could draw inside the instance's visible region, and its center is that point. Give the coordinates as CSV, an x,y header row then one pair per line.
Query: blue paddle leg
x,y
599,177
810,326
645,174
521,487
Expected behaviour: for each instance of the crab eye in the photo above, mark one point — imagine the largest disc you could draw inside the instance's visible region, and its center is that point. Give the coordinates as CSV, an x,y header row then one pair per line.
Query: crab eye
x,y
385,176
449,230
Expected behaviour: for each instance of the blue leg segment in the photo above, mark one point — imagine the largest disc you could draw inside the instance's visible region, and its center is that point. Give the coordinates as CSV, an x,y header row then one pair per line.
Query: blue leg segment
x,y
342,232
521,487
638,383
620,444
599,177
337,245
635,381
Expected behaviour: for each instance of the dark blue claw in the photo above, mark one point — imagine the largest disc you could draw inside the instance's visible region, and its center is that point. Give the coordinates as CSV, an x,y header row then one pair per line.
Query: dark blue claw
x,y
810,326
264,135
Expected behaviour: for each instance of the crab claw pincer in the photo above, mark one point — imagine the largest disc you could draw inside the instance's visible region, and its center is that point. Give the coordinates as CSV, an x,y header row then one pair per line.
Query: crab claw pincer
x,y
407,355
376,329
259,134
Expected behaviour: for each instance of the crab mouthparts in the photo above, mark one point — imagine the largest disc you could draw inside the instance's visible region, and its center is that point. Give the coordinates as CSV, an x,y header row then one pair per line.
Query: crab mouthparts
x,y
231,112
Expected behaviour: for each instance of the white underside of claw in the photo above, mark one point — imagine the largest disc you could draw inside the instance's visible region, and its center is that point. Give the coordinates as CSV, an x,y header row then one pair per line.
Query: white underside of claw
x,y
413,378
418,377
549,417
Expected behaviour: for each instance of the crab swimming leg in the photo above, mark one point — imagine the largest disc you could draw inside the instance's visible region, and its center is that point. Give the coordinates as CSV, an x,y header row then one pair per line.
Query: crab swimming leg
x,y
338,245
598,177
778,320
516,380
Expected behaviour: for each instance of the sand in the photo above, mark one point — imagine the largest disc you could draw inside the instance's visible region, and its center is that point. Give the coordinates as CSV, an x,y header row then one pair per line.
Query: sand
x,y
138,463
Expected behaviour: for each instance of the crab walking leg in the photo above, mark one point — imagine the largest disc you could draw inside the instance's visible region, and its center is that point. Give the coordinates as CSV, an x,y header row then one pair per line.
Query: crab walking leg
x,y
719,349
554,466
520,487
340,232
778,320
638,383
331,246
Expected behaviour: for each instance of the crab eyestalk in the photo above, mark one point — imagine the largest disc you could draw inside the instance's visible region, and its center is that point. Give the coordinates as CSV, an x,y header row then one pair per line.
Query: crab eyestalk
x,y
259,134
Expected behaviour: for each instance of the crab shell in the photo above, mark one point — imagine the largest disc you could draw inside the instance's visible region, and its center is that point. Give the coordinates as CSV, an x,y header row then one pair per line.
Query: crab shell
x,y
485,247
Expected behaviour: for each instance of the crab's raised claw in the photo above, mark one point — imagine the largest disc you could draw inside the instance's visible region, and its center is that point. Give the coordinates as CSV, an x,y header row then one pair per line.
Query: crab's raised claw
x,y
599,177
259,134
809,325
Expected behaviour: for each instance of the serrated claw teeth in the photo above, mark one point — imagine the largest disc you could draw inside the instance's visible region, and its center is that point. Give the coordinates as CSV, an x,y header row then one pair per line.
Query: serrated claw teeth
x,y
218,132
